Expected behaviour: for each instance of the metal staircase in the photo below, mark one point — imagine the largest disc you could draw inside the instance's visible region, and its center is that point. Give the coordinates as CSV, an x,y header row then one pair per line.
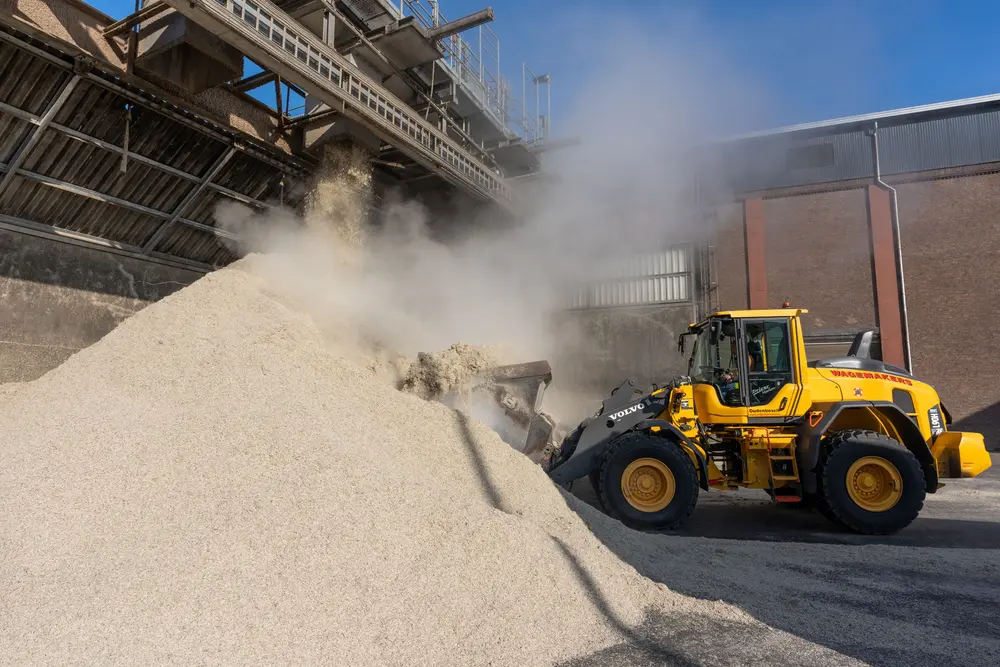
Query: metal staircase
x,y
269,36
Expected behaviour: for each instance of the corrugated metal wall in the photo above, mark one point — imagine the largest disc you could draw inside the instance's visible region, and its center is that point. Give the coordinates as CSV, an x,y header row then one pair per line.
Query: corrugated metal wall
x,y
66,171
965,136
649,279
764,163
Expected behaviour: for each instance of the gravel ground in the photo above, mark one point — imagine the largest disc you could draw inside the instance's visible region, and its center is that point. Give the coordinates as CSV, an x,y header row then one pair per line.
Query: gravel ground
x,y
218,482
927,596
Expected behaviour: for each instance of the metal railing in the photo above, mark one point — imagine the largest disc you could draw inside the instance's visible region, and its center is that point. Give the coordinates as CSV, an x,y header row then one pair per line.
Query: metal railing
x,y
477,68
271,30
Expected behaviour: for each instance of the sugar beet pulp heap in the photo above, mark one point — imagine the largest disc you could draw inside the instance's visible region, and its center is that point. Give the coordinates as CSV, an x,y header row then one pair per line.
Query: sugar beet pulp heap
x,y
219,480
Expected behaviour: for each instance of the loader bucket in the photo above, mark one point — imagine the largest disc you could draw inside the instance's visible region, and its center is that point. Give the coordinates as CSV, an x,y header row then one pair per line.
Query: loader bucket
x,y
509,400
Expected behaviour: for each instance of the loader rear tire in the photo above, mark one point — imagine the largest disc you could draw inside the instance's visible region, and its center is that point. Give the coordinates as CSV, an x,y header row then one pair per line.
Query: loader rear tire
x,y
661,479
869,482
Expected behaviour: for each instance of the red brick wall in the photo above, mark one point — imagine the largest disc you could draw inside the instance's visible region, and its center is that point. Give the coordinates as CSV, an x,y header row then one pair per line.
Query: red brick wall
x,y
950,235
818,257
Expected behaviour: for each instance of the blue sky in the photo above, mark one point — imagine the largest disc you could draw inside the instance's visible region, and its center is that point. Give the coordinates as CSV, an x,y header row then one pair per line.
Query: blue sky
x,y
805,61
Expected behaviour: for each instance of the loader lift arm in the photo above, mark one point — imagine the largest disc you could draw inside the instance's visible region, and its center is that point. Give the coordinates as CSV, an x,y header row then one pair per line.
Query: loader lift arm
x,y
621,412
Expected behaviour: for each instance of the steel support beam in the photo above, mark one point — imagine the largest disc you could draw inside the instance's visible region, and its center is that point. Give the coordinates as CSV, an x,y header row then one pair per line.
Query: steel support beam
x,y
210,229
756,261
253,81
414,84
33,138
459,25
109,199
144,14
888,314
22,226
87,192
189,199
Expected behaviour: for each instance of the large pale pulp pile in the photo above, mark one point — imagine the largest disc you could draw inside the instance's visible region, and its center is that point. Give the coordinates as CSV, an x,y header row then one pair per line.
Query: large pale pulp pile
x,y
216,482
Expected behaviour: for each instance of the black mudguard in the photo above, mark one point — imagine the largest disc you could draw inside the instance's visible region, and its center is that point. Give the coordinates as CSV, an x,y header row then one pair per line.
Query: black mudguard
x,y
622,411
810,436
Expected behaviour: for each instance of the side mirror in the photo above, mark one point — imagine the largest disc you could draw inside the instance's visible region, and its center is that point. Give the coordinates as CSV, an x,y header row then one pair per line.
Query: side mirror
x,y
680,343
714,334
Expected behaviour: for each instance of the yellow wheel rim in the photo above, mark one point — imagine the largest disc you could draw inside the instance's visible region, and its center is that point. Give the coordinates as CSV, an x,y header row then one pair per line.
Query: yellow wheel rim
x,y
648,485
874,484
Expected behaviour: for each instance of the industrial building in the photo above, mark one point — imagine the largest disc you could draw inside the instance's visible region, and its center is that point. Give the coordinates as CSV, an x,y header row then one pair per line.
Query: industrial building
x,y
811,216
119,137
886,221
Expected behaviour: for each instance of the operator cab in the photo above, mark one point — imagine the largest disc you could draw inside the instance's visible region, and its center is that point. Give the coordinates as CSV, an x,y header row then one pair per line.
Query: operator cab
x,y
743,364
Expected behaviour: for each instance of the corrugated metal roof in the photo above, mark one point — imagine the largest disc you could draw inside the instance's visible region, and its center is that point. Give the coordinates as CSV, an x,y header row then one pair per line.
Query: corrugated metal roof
x,y
64,158
942,136
197,245
966,105
26,81
49,205
71,179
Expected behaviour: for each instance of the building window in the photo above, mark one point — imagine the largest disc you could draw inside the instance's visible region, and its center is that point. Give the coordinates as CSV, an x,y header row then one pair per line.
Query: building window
x,y
810,157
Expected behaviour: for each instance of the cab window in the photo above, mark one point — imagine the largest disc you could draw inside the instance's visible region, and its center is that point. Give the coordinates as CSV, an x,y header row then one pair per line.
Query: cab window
x,y
714,361
768,358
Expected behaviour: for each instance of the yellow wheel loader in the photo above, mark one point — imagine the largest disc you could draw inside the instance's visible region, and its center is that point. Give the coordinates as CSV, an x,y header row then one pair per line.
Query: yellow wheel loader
x,y
861,440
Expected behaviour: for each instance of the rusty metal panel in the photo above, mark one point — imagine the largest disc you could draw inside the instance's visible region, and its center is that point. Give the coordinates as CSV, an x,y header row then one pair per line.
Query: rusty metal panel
x,y
754,231
102,113
250,177
888,312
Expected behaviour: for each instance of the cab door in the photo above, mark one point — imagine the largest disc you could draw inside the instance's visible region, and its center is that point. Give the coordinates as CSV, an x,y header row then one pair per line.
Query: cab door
x,y
773,390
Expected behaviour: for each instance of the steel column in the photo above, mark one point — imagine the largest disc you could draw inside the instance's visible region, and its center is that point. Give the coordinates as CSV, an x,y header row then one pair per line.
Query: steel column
x,y
756,260
33,138
189,199
92,194
888,315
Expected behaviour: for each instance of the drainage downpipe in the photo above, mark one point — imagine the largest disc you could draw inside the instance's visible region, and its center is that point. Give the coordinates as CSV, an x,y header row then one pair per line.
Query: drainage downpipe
x,y
897,251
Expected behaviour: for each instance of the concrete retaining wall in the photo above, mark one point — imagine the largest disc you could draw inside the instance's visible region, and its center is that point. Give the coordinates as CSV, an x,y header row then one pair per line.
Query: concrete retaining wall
x,y
618,343
57,298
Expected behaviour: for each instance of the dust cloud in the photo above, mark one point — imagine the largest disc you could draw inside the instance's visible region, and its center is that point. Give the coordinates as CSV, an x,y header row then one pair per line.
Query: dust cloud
x,y
410,283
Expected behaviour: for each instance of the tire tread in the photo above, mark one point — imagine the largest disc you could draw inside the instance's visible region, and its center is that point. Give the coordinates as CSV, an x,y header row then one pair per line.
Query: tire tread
x,y
625,440
830,447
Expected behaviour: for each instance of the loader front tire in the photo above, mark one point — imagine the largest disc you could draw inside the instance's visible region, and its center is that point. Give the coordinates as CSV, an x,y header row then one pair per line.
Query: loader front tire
x,y
869,482
647,482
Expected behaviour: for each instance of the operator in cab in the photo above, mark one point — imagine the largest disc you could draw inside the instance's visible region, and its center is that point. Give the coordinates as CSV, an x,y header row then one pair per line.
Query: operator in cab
x,y
730,383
